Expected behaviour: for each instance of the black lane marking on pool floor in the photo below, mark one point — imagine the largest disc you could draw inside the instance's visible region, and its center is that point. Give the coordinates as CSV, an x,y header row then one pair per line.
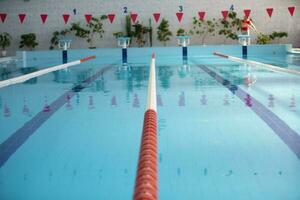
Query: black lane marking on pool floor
x,y
290,137
18,138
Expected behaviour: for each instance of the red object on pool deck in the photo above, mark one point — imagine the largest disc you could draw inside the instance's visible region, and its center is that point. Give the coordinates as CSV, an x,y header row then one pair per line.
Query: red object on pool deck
x,y
87,58
146,179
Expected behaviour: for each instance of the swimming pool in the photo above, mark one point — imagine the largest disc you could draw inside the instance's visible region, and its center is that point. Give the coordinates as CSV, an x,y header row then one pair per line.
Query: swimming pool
x,y
219,137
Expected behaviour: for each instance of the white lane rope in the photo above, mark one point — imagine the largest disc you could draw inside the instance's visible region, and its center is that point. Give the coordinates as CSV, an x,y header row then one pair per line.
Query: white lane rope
x,y
259,64
23,78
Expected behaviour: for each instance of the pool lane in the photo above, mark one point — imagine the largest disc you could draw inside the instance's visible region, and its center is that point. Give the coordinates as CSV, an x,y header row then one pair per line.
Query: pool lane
x,y
11,144
88,151
290,137
276,91
213,146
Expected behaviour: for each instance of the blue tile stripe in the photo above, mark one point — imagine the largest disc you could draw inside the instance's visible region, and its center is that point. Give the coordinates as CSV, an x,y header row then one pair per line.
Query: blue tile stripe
x,y
18,138
290,137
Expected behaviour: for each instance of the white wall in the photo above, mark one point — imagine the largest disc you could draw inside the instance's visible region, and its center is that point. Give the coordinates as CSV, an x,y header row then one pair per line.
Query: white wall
x,y
280,21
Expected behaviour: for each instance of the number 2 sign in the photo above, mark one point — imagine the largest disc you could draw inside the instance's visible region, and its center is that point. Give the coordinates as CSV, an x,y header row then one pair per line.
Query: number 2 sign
x,y
125,10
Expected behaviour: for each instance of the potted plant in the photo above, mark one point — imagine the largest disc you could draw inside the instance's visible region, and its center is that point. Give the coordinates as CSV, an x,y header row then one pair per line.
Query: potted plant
x,y
204,28
5,39
181,32
95,28
128,26
278,35
139,33
128,29
90,31
118,34
266,39
28,41
263,39
56,35
231,26
163,32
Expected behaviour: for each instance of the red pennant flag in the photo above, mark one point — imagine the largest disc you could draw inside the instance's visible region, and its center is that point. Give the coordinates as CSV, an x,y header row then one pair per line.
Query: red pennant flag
x,y
224,14
111,17
3,17
201,15
179,16
66,18
133,17
247,12
156,16
291,10
270,11
22,18
44,18
88,18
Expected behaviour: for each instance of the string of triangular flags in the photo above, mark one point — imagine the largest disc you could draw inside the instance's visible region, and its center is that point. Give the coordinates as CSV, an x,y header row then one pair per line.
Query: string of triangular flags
x,y
134,16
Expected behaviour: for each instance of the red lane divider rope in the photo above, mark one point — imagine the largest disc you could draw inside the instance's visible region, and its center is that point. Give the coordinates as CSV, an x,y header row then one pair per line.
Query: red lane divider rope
x,y
87,58
221,55
146,179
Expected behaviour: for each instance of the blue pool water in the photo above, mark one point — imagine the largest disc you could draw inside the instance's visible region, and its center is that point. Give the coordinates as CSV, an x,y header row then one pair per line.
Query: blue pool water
x,y
75,133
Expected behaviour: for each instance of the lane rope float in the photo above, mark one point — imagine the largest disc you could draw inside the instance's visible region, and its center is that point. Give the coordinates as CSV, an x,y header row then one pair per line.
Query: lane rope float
x,y
23,78
258,64
146,177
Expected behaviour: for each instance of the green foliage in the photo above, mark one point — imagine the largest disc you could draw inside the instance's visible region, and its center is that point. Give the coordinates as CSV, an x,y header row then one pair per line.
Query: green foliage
x,y
266,39
263,39
91,30
204,28
95,27
118,34
56,36
181,32
5,39
139,33
128,31
128,27
79,31
163,31
230,26
28,40
278,35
